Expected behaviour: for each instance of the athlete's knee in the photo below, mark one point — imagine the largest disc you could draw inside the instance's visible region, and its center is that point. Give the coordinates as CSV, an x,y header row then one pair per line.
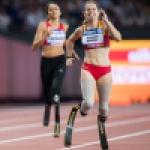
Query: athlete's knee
x,y
55,95
102,118
103,112
55,98
47,99
85,107
88,104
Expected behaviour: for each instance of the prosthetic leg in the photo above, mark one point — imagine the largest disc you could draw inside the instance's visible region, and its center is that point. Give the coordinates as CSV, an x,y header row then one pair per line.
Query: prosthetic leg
x,y
104,96
87,86
70,124
56,101
102,134
46,115
57,120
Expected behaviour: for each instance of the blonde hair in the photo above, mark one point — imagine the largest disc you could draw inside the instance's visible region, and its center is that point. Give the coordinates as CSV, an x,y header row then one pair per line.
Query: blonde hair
x,y
88,2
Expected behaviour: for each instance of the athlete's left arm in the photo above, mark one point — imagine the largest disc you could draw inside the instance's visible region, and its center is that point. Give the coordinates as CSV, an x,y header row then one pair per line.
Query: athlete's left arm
x,y
110,27
66,27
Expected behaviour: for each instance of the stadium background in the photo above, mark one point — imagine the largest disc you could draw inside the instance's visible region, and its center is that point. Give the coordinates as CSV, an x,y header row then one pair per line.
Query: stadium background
x,y
20,75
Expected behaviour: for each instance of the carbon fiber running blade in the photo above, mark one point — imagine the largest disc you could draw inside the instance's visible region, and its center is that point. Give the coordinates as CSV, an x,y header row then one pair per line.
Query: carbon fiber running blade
x,y
69,128
57,121
46,115
102,134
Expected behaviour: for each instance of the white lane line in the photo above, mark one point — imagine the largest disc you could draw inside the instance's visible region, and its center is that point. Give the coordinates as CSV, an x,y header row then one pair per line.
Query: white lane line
x,y
27,118
111,139
133,143
29,108
34,110
125,122
15,120
126,114
36,125
113,124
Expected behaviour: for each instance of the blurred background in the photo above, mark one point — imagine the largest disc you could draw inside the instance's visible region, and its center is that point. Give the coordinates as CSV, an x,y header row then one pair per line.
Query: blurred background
x,y
20,81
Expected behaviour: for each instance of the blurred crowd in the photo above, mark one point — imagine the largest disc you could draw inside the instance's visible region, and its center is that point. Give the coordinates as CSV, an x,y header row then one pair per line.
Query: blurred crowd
x,y
21,15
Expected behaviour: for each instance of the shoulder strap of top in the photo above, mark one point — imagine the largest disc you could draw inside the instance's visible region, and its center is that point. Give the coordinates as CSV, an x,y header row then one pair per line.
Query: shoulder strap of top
x,y
84,27
100,24
61,27
48,24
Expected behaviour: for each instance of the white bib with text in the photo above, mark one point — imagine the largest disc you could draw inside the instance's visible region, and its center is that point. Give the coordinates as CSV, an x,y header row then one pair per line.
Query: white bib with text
x,y
93,36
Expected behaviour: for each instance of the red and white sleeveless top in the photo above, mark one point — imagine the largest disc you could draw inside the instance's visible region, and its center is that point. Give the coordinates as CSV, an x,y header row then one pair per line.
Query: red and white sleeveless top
x,y
57,37
93,38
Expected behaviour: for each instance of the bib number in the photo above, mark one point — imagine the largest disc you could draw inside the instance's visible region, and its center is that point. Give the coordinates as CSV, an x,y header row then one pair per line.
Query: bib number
x,y
94,38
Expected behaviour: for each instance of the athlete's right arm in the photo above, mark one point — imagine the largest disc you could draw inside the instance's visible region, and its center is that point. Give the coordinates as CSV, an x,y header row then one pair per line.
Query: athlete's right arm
x,y
70,46
71,40
40,36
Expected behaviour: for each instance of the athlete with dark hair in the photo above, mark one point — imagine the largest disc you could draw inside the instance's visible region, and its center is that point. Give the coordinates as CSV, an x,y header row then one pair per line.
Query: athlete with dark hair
x,y
51,35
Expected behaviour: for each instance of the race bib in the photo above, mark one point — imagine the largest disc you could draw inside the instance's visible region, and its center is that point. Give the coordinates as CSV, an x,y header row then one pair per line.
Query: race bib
x,y
93,36
56,38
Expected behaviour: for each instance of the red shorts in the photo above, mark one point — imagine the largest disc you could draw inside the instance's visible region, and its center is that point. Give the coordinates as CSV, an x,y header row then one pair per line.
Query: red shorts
x,y
96,71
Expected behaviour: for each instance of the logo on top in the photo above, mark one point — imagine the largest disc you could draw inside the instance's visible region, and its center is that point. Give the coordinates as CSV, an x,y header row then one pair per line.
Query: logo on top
x,y
93,31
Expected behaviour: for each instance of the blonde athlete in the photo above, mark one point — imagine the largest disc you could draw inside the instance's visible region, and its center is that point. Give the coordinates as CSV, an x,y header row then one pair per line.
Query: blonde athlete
x,y
95,36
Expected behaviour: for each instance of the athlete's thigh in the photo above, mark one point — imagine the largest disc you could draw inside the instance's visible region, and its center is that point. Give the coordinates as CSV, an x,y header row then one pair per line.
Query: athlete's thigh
x,y
106,79
88,84
46,75
85,74
58,76
104,85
